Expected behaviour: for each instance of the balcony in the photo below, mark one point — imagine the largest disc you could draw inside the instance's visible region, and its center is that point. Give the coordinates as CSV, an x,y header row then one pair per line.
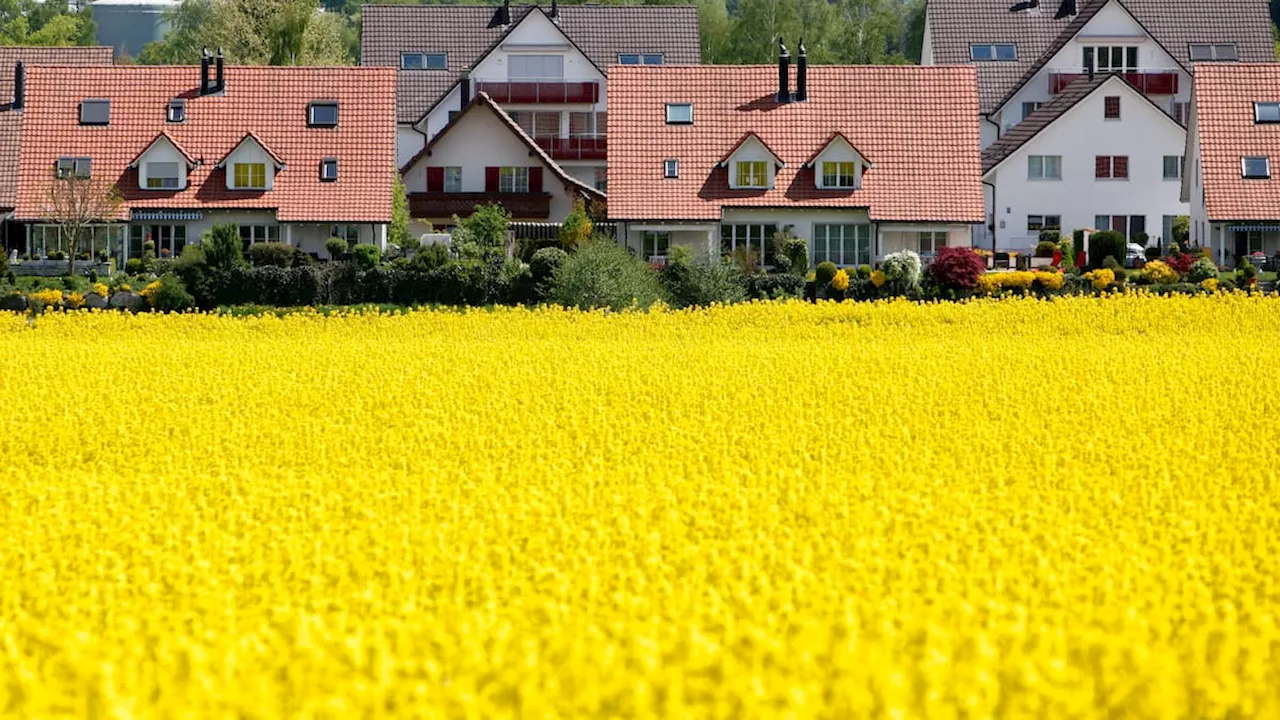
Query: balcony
x,y
541,91
588,147
1152,81
522,206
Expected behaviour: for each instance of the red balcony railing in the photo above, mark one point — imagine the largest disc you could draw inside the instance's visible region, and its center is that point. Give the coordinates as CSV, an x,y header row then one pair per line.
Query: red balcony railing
x,y
1147,82
574,148
541,91
522,206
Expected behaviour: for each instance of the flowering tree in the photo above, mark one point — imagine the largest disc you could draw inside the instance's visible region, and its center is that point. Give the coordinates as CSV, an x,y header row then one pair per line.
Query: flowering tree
x,y
956,268
75,202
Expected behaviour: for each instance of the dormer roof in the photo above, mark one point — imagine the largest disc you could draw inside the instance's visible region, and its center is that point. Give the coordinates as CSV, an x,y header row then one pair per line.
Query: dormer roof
x,y
835,138
724,162
164,136
250,137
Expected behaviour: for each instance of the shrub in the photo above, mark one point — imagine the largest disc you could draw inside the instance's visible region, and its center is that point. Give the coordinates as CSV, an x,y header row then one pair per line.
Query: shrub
x,y
1046,249
864,272
1160,273
957,269
772,287
840,282
133,266
483,235
702,283
336,247
1151,253
576,228
148,249
796,251
267,285
1201,270
1105,244
603,275
1050,236
272,254
366,256
1180,262
430,257
222,247
1101,279
902,272
824,273
1049,281
168,294
542,268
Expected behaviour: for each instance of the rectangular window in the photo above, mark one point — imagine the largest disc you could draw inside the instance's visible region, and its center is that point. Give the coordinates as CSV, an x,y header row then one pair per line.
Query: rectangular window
x,y
322,114
1114,58
1111,167
838,175
1111,107
1044,167
1181,112
931,241
601,177
1208,52
329,169
991,53
1128,225
1173,167
513,180
751,174
1028,108
535,67
640,59
350,233
655,246
750,244
1266,112
80,167
453,179
250,234
250,176
1036,223
844,245
95,112
679,114
423,61
1255,168
177,111
671,168
163,176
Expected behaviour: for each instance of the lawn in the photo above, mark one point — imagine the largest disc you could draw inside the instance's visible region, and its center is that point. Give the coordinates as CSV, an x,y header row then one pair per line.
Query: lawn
x,y
1017,508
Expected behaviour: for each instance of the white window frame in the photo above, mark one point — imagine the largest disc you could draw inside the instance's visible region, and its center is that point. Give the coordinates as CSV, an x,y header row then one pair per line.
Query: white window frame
x,y
763,179
535,67
260,233
513,179
990,52
422,61
1124,66
824,234
453,179
1028,108
933,236
1217,52
753,238
154,173
1244,167
1044,162
348,232
671,168
675,114
655,245
1179,162
1271,110
176,112
640,58
266,179
79,166
839,183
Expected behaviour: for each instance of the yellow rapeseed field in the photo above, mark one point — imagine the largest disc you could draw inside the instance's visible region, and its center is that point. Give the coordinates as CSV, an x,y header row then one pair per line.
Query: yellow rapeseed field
x,y
998,509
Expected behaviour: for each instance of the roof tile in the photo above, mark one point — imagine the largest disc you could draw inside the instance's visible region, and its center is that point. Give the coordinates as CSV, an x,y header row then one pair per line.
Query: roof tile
x,y
1224,97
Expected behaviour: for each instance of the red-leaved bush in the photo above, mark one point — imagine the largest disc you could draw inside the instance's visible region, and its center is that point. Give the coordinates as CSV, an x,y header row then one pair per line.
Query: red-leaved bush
x,y
1181,262
956,268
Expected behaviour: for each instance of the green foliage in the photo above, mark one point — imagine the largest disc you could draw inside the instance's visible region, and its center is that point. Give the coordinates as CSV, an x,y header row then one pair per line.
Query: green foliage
x,y
543,266
133,266
398,232
336,247
1046,248
271,253
483,235
1181,229
576,228
1104,244
172,295
603,275
27,22
823,274
1202,270
222,247
253,32
702,283
366,256
864,272
430,257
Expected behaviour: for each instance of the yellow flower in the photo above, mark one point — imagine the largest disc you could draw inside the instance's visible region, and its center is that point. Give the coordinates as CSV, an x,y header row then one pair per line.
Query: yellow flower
x,y
1210,284
101,289
877,277
1050,280
988,283
75,300
47,297
1157,271
149,292
1102,278
840,281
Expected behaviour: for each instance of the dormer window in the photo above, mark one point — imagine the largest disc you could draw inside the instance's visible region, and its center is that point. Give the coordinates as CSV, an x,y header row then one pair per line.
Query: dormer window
x,y
177,111
78,167
1266,112
1211,52
679,113
329,169
639,59
322,113
752,173
996,52
424,61
839,175
163,175
250,176
95,112
1255,168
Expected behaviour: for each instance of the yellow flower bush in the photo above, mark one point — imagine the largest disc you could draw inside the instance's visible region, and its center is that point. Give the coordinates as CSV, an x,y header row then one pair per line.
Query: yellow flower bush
x,y
48,297
149,292
988,284
557,514
877,278
1210,284
1157,271
1101,279
840,281
101,289
1050,280
74,300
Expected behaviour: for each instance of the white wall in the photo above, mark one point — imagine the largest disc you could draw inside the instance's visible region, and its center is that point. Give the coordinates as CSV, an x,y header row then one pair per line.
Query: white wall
x,y
926,50
249,152
162,151
752,150
1144,134
408,143
438,117
839,151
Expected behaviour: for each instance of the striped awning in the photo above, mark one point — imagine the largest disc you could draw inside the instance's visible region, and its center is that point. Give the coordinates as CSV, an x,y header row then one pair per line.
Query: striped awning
x,y
1247,228
166,215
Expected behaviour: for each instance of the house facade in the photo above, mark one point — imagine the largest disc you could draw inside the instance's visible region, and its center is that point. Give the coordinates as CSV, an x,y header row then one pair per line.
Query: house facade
x,y
1102,155
546,67
484,156
719,159
287,154
1233,144
1028,58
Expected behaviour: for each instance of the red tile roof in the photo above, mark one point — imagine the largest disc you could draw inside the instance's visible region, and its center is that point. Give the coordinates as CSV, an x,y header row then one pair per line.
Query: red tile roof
x,y
1224,97
917,125
11,121
268,102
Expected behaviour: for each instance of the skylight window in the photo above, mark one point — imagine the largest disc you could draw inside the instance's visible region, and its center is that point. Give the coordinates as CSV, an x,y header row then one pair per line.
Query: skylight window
x,y
1207,52
671,168
177,111
322,113
1266,112
424,61
993,52
329,169
95,112
679,113
639,59
1255,168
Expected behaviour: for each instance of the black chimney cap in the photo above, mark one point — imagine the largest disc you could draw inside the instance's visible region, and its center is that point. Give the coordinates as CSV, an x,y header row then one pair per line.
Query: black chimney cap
x,y
501,16
1065,10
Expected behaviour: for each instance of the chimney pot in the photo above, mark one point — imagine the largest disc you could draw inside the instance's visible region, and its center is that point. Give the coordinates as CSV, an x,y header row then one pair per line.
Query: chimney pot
x,y
204,71
19,86
784,72
220,80
802,74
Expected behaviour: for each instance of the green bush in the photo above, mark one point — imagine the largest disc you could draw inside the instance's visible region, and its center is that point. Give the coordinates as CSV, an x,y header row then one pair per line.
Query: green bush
x,y
222,247
271,254
823,274
133,266
603,275
703,282
576,228
336,247
366,256
1104,244
1050,236
1202,270
172,295
864,272
542,267
773,286
192,269
1046,248
430,257
796,251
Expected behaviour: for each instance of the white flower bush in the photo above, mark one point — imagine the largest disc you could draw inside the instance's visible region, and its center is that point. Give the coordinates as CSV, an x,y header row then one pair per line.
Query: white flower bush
x,y
902,271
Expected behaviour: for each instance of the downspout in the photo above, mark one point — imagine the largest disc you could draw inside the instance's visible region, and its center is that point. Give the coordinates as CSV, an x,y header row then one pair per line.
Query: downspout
x,y
993,213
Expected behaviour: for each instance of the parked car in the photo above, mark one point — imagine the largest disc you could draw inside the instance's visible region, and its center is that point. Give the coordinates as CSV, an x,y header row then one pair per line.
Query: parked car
x,y
1135,255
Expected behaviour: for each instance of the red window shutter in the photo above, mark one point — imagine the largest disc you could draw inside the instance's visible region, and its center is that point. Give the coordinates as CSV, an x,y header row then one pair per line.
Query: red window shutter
x,y
1102,166
435,179
535,179
491,179
1120,166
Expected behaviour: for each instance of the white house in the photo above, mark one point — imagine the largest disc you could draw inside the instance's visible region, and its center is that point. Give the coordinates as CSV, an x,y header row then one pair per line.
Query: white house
x,y
1233,144
547,68
1101,155
721,158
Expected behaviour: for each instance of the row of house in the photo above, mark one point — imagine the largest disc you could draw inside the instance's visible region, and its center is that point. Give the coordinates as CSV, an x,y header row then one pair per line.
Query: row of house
x,y
1104,114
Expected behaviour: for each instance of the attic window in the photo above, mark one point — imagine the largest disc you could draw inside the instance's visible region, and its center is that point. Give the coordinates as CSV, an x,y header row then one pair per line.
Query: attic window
x,y
424,61
671,168
1266,112
1255,168
177,111
679,113
639,59
329,169
322,113
80,167
95,112
1204,52
994,52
